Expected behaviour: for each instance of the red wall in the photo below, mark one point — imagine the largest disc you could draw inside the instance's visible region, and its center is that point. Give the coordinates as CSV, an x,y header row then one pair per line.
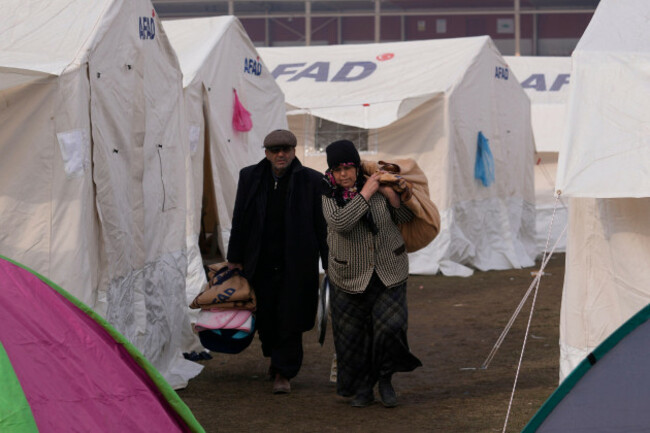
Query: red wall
x,y
361,29
562,26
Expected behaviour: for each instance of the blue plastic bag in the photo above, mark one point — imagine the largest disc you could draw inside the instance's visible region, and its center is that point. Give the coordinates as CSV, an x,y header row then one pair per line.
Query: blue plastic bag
x,y
484,167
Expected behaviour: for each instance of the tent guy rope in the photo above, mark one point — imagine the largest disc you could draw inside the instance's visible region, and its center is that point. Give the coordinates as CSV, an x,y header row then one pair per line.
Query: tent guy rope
x,y
545,258
547,175
535,282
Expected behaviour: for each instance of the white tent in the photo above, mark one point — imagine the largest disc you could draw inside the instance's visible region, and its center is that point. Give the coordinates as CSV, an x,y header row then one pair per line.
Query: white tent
x,y
603,168
426,100
217,57
92,178
546,82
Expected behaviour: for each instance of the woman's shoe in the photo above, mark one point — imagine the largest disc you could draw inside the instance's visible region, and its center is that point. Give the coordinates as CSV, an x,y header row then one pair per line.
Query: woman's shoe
x,y
363,399
387,393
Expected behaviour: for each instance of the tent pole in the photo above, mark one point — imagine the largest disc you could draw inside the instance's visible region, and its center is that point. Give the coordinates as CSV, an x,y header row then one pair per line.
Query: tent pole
x,y
307,23
339,30
517,28
377,21
535,36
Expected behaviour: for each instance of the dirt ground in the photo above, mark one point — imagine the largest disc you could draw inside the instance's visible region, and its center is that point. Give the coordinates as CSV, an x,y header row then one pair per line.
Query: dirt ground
x,y
453,325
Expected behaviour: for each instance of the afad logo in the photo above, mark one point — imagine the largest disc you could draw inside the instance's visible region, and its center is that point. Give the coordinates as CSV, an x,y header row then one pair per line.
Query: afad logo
x,y
253,66
320,71
148,26
538,82
501,73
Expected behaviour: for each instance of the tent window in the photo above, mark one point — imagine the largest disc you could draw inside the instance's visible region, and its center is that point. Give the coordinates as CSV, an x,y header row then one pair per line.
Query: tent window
x,y
75,150
326,132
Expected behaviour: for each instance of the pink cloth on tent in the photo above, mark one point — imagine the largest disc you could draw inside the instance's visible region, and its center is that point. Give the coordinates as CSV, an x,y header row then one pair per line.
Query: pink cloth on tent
x,y
75,376
224,319
241,118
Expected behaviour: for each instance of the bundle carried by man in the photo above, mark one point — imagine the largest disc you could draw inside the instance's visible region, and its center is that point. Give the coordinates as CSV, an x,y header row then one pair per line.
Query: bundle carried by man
x,y
227,302
408,180
226,288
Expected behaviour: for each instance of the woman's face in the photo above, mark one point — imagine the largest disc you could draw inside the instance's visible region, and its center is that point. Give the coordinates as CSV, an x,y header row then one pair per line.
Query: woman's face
x,y
345,175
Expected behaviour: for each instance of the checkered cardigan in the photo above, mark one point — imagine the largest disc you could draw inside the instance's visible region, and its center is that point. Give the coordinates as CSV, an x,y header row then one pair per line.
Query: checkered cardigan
x,y
354,252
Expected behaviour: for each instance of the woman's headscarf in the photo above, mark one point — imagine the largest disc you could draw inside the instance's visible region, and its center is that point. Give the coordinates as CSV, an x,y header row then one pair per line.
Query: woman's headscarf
x,y
343,152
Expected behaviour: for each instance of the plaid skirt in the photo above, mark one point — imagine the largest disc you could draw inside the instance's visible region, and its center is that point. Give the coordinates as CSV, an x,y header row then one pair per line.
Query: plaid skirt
x,y
369,332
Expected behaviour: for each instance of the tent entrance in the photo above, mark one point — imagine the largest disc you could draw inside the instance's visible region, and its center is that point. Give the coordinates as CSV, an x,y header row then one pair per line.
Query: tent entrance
x,y
325,132
208,237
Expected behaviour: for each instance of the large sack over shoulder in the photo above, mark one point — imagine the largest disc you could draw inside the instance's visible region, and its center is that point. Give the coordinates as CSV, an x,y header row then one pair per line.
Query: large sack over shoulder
x,y
408,179
226,288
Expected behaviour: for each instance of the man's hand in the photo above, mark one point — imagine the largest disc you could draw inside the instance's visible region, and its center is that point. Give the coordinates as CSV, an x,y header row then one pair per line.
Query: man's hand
x,y
232,266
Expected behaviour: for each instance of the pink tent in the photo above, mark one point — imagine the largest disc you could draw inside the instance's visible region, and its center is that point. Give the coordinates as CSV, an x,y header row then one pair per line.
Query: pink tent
x,y
64,368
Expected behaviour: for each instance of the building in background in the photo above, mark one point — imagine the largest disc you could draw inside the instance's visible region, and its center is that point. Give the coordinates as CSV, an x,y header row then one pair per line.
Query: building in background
x,y
525,27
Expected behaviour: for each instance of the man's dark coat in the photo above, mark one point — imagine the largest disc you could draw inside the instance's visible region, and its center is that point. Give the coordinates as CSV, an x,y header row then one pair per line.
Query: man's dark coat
x,y
305,238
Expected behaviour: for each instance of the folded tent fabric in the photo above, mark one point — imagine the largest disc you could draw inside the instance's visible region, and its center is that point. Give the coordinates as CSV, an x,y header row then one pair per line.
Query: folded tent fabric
x,y
224,319
226,288
225,323
250,304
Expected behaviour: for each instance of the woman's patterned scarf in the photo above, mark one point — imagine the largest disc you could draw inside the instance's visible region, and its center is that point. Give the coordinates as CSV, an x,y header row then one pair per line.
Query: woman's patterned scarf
x,y
342,195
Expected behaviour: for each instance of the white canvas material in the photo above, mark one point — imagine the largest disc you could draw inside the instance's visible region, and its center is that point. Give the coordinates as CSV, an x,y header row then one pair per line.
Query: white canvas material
x,y
546,81
608,119
603,169
92,175
428,100
606,277
216,56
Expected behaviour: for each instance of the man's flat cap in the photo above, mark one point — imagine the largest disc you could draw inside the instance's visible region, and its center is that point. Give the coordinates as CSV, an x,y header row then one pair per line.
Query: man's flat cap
x,y
280,137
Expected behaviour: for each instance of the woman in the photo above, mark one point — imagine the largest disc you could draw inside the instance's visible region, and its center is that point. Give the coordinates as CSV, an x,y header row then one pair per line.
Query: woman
x,y
368,269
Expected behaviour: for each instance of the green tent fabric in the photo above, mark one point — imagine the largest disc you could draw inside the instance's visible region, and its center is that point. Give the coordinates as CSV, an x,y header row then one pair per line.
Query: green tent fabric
x,y
15,413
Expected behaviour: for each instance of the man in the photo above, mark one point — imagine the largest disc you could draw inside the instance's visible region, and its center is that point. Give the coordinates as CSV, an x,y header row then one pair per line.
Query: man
x,y
278,233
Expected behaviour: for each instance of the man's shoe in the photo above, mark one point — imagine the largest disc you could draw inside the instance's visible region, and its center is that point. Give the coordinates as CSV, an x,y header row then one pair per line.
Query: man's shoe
x,y
281,385
363,399
387,393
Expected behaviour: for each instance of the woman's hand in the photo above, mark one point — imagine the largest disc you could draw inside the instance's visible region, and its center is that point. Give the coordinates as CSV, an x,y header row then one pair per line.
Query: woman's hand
x,y
371,186
392,196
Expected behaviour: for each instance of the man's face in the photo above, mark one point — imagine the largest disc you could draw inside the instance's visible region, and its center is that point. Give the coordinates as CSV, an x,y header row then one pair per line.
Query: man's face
x,y
280,157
